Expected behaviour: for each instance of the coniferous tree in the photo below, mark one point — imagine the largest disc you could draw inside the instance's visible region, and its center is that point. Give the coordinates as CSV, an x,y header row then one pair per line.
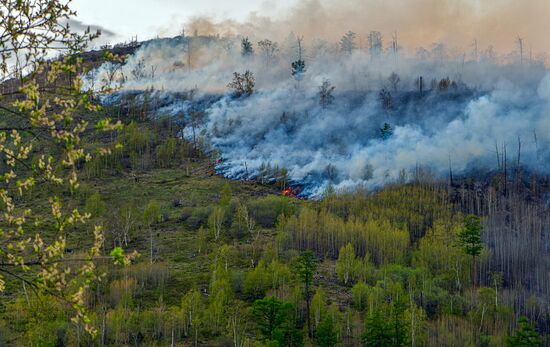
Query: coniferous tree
x,y
525,335
276,323
299,65
397,324
386,131
347,42
298,68
246,47
305,267
470,239
287,335
326,335
267,315
377,330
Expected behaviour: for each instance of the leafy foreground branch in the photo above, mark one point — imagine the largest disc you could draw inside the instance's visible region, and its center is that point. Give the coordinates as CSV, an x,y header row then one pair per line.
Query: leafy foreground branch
x,y
36,171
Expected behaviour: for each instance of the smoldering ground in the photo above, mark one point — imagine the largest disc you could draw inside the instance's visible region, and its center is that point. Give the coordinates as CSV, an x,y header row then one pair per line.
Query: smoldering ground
x,y
471,106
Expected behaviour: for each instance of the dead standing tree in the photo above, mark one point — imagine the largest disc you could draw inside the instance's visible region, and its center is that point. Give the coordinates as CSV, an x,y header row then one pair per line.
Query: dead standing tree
x,y
242,84
325,94
269,49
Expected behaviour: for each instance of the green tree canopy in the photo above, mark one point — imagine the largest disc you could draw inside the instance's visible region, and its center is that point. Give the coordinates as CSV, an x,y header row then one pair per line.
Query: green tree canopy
x,y
276,323
470,236
525,335
470,240
327,335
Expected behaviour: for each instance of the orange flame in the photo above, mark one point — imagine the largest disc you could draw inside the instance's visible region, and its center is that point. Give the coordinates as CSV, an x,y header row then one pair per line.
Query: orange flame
x,y
287,192
291,192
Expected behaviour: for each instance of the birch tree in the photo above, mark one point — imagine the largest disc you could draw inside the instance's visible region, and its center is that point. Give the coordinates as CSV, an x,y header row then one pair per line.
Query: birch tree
x,y
33,244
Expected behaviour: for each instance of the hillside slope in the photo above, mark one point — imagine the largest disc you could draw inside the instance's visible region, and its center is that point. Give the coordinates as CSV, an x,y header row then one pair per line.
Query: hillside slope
x,y
388,266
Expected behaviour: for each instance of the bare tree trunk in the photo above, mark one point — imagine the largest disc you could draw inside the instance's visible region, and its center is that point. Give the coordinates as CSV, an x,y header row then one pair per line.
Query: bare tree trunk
x,y
309,332
498,156
458,284
196,336
189,54
26,294
519,152
151,243
103,329
413,326
505,173
474,271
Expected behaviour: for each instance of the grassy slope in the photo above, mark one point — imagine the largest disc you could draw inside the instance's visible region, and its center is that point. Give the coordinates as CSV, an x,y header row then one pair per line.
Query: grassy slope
x,y
176,241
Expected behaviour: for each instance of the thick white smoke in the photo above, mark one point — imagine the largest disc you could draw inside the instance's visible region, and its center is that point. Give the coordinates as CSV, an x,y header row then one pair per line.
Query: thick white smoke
x,y
487,107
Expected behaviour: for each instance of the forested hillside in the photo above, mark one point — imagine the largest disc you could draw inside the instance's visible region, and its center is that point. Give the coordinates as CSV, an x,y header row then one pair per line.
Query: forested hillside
x,y
222,262
115,230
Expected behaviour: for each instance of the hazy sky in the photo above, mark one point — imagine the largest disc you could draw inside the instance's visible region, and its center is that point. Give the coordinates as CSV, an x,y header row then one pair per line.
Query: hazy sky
x,y
418,22
149,18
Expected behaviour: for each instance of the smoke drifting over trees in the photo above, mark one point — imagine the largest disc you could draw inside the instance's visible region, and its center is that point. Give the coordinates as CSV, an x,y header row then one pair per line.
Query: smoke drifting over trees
x,y
417,22
446,106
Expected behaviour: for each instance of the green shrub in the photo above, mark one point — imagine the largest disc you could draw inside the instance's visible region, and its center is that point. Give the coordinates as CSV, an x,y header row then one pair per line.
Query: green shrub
x,y
257,282
199,217
266,210
186,212
360,295
95,205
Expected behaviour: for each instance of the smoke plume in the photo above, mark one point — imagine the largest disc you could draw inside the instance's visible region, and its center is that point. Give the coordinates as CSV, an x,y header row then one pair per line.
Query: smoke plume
x,y
391,112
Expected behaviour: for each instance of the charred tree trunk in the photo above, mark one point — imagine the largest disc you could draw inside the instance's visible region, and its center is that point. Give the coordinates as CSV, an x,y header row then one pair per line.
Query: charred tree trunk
x,y
308,318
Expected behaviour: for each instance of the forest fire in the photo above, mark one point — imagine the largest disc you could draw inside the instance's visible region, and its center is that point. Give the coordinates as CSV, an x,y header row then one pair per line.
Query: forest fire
x,y
289,182
257,135
292,192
